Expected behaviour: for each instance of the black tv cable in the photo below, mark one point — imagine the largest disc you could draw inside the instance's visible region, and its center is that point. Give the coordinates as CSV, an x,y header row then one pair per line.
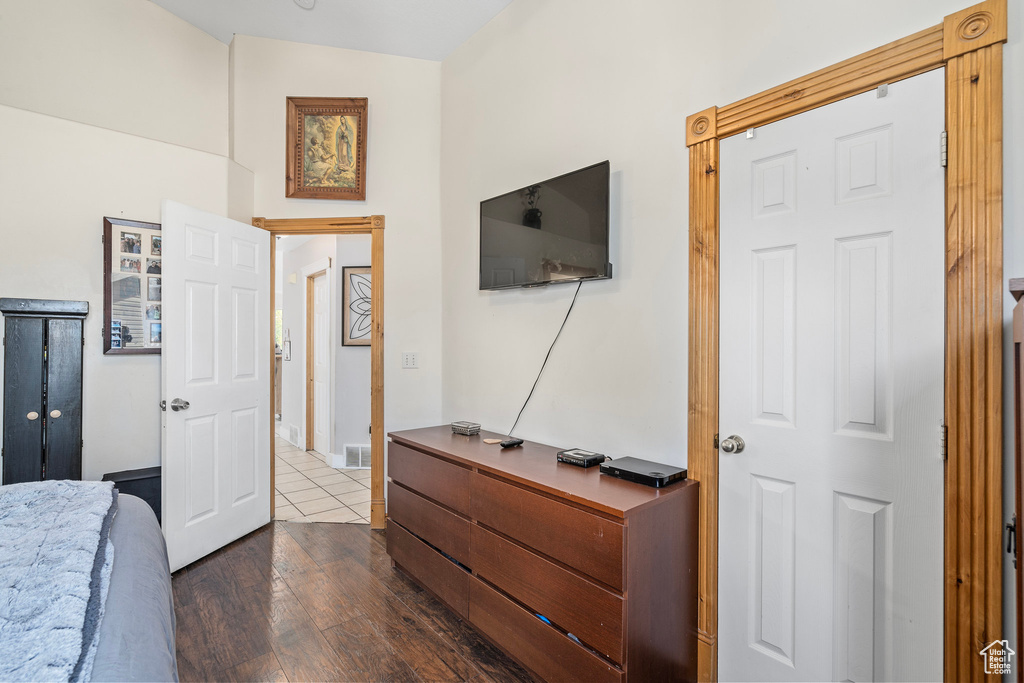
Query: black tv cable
x,y
544,364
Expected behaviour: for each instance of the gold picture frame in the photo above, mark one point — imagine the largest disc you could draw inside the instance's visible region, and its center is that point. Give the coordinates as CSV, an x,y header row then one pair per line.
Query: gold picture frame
x,y
326,148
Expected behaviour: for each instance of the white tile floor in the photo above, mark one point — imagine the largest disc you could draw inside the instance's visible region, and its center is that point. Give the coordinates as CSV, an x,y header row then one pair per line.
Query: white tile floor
x,y
307,490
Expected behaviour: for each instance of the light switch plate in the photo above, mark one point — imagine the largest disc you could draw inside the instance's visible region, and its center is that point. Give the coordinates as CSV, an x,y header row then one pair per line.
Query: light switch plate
x,y
410,360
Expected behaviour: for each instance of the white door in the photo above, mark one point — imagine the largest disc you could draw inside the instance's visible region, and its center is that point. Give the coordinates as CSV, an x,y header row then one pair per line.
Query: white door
x,y
321,364
832,290
216,346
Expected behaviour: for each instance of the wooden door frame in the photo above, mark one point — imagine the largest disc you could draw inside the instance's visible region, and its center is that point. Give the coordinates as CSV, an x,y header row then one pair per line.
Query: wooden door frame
x,y
363,225
310,349
969,45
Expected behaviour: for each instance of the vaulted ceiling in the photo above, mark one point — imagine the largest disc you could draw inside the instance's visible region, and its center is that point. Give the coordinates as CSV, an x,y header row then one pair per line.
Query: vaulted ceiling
x,y
425,29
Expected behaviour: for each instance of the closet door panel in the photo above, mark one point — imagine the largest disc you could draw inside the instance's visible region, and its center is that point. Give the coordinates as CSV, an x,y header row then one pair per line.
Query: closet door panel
x,y
64,399
23,396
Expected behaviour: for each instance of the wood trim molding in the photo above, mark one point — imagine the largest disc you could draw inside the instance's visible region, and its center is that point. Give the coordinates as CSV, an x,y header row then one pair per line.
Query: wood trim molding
x,y
373,226
974,380
900,59
310,356
702,126
313,226
377,511
703,383
974,28
969,45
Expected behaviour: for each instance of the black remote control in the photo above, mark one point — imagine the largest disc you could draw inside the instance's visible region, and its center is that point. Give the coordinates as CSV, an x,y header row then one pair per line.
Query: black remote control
x,y
511,443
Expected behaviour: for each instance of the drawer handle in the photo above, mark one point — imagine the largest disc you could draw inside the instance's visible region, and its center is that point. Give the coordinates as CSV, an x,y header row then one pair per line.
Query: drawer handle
x,y
55,414
33,415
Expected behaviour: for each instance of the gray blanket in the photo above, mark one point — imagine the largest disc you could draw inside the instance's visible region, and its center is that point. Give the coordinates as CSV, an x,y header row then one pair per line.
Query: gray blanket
x,y
55,561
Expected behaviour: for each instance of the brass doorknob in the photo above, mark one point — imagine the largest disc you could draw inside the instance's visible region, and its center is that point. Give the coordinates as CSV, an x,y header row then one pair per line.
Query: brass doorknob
x,y
55,414
33,415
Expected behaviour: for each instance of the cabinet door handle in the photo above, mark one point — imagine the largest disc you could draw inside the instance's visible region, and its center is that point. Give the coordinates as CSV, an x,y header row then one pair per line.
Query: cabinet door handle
x,y
33,415
55,414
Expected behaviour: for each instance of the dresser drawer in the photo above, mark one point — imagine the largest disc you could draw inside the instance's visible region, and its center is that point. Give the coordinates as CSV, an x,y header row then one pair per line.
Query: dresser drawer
x,y
434,478
593,614
434,524
433,571
582,540
549,653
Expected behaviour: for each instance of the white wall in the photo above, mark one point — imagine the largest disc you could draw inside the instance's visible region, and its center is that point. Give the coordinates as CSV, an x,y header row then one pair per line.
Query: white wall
x,y
548,87
127,65
403,169
58,179
351,363
106,108
553,85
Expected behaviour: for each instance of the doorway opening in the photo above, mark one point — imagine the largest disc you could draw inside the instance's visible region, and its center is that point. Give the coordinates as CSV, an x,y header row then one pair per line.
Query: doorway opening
x,y
295,431
322,469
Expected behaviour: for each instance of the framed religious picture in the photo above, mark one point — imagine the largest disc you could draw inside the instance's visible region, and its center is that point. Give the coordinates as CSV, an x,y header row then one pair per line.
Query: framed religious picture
x,y
326,148
131,254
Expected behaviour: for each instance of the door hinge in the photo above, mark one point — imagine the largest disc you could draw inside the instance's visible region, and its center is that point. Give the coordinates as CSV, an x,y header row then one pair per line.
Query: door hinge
x,y
943,148
944,439
1011,539
716,441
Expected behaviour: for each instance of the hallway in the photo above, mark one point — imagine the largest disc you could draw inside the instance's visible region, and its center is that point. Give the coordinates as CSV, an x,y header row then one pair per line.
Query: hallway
x,y
308,490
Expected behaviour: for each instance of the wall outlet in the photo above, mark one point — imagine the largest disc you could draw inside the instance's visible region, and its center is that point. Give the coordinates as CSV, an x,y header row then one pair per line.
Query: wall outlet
x,y
410,360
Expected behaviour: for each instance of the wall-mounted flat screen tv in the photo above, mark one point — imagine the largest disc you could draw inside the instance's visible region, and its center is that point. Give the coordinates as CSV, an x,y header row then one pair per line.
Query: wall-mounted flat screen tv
x,y
554,231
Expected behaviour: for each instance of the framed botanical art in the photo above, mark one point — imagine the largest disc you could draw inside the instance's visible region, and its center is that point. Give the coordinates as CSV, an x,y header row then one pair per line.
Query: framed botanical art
x,y
132,267
355,306
326,148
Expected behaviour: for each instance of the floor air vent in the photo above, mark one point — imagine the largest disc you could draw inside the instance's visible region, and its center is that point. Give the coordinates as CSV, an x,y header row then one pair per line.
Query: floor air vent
x,y
357,455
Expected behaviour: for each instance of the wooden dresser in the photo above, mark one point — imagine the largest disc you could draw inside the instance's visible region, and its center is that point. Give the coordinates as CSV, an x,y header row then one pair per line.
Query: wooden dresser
x,y
504,536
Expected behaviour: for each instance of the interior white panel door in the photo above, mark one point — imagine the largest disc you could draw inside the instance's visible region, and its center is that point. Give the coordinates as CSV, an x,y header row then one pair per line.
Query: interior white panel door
x,y
321,364
215,454
832,290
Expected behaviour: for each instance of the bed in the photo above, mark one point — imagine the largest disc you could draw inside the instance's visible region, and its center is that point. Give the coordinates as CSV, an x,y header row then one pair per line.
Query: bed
x,y
122,603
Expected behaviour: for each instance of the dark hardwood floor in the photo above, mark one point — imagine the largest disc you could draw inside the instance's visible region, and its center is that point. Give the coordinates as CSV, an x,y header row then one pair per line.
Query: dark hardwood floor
x,y
320,602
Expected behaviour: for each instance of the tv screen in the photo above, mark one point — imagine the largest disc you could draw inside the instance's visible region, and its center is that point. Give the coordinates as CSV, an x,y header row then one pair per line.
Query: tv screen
x,y
554,231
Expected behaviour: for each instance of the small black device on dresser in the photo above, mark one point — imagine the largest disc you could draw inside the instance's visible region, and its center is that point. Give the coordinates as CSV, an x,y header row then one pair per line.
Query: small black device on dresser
x,y
580,457
643,471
